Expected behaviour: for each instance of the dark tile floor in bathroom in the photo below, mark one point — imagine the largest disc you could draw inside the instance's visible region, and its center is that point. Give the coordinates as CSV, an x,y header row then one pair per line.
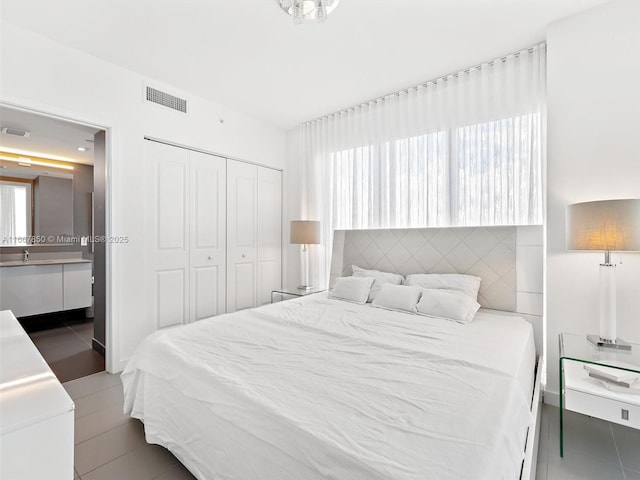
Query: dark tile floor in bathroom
x,y
64,340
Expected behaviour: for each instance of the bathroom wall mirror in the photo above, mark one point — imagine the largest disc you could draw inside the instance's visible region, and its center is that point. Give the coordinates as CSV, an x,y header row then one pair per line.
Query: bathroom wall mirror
x,y
36,206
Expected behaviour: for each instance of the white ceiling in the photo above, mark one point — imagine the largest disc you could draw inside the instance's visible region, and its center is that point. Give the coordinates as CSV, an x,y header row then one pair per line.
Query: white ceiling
x,y
49,136
248,55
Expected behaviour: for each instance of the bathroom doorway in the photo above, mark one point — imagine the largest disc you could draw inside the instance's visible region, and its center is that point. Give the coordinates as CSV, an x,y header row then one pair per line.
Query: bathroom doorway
x,y
52,229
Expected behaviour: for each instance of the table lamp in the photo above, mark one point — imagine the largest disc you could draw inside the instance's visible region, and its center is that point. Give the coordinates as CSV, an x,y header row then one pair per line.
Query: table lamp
x,y
608,225
305,233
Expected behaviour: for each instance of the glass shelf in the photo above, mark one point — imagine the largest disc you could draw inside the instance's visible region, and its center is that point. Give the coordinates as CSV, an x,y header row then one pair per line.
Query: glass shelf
x,y
577,347
294,292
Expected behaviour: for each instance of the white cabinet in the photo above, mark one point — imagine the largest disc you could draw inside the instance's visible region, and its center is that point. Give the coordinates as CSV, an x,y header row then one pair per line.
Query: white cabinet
x,y
36,289
76,285
186,205
254,234
31,289
36,425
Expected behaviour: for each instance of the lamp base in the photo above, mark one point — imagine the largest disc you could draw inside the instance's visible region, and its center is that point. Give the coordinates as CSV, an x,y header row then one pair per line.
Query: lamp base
x,y
305,287
600,342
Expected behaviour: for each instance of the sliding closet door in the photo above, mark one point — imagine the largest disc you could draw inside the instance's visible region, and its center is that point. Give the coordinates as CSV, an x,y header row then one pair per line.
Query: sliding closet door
x,y
167,184
207,215
269,233
242,191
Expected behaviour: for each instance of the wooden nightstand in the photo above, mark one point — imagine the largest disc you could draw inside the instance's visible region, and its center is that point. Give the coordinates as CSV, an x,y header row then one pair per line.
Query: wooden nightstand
x,y
293,292
583,394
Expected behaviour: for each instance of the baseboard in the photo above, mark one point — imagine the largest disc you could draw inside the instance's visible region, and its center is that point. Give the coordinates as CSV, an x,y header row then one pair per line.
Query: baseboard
x,y
98,347
122,366
551,398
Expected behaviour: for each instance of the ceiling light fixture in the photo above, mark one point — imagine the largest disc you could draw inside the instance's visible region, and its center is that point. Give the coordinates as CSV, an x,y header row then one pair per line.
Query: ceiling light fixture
x,y
82,149
15,131
308,10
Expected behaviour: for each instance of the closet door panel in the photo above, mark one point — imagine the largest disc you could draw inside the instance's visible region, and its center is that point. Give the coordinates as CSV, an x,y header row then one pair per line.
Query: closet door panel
x,y
170,297
243,287
171,206
168,251
242,191
208,234
244,210
205,288
269,226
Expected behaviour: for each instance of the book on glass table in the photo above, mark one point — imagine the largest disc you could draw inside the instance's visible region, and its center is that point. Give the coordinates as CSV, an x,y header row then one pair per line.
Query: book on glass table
x,y
613,375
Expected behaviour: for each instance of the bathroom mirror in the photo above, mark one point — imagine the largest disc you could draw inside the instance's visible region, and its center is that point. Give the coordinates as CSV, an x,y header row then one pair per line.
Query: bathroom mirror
x,y
36,206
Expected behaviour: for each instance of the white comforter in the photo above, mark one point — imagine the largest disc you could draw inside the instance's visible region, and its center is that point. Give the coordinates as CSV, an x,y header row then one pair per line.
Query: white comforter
x,y
319,388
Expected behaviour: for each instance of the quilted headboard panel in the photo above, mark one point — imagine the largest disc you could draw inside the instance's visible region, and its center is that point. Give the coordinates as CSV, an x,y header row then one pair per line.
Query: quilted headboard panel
x,y
486,252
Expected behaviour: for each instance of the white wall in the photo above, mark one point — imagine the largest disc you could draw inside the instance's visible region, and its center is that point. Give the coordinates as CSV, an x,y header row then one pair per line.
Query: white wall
x,y
593,154
46,76
293,211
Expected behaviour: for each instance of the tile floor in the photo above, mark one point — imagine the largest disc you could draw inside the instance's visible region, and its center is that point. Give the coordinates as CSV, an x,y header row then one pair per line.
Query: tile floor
x,y
593,449
110,445
66,347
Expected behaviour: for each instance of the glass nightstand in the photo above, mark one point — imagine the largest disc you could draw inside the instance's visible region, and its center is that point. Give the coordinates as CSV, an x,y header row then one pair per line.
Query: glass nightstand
x,y
293,292
583,394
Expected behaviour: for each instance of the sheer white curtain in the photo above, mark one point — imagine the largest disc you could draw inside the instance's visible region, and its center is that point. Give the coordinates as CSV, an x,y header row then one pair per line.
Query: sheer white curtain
x,y
466,149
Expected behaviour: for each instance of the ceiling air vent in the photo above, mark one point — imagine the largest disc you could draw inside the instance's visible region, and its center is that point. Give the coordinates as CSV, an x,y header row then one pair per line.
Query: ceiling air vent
x,y
15,131
163,98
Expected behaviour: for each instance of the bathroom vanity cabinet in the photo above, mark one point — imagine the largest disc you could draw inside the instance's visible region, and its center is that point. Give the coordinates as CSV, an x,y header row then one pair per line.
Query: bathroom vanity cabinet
x,y
45,286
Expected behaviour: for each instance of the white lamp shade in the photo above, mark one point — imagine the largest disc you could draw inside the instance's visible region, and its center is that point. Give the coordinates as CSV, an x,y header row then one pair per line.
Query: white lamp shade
x,y
305,232
610,225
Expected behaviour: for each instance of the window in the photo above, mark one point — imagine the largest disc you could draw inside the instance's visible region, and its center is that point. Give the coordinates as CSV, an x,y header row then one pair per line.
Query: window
x,y
15,211
399,184
482,174
499,172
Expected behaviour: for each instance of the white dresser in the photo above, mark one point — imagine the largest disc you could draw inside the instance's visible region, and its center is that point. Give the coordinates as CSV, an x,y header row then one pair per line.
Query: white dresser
x,y
36,413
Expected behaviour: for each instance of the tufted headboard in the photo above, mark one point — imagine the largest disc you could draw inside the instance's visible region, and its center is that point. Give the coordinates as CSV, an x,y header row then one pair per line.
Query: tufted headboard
x,y
508,259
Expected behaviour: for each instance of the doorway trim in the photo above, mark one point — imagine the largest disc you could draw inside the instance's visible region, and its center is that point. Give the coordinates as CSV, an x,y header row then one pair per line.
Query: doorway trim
x,y
110,128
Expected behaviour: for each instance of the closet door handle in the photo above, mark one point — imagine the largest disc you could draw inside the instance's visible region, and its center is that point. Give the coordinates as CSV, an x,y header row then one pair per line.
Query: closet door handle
x,y
242,255
209,258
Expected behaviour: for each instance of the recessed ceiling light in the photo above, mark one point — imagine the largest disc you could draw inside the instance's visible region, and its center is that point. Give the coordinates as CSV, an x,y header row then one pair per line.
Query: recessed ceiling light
x,y
82,149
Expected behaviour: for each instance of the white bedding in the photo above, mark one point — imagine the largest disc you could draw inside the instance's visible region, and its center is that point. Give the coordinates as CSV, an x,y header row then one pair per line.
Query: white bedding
x,y
319,388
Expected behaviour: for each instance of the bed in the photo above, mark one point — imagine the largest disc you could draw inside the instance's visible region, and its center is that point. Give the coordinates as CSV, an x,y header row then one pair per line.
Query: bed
x,y
318,388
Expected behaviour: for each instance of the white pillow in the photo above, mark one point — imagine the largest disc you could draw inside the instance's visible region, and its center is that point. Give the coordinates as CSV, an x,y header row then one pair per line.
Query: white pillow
x,y
379,279
397,297
448,304
352,289
467,284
